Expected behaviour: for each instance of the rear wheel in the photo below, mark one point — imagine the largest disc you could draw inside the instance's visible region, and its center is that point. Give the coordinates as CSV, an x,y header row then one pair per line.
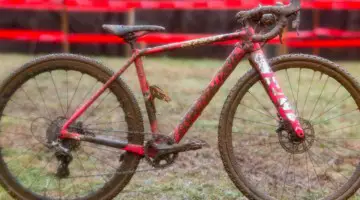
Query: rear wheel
x,y
35,101
266,164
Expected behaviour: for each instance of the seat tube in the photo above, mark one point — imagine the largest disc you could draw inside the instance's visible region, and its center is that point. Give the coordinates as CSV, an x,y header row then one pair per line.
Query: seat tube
x,y
148,99
273,89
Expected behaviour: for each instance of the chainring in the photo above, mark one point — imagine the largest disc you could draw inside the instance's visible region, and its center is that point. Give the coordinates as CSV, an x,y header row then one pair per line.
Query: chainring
x,y
160,160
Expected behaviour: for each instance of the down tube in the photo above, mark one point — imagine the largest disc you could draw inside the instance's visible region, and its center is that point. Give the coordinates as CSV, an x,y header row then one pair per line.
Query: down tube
x,y
195,111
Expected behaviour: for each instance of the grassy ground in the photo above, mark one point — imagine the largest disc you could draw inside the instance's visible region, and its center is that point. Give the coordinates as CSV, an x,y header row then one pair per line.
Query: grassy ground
x,y
196,175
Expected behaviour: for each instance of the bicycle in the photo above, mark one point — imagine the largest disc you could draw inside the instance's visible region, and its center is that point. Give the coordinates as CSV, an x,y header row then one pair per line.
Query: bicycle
x,y
68,138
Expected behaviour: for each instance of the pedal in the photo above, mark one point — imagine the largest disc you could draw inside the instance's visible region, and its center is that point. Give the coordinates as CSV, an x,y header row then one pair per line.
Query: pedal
x,y
159,93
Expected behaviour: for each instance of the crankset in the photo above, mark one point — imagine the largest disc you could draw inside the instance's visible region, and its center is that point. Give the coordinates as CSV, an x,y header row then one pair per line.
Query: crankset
x,y
161,151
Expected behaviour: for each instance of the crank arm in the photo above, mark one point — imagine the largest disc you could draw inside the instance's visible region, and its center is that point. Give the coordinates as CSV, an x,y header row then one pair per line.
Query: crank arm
x,y
177,148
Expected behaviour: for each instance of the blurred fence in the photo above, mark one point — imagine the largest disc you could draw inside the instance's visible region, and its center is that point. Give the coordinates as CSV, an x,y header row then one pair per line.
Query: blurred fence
x,y
318,37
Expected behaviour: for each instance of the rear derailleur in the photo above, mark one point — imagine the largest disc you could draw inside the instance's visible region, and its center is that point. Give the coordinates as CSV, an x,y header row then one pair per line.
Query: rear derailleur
x,y
64,157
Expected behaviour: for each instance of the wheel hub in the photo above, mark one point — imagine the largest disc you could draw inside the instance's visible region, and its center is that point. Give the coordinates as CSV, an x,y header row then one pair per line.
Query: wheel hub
x,y
53,132
293,144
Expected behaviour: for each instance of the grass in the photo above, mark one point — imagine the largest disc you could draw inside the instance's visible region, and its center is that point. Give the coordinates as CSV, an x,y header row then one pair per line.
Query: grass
x,y
195,175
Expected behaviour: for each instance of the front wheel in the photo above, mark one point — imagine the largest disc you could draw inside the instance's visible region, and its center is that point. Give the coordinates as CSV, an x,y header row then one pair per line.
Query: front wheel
x,y
266,164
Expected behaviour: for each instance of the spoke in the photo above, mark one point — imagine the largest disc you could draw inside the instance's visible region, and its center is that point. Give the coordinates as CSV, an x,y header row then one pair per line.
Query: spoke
x,y
292,92
328,102
28,164
57,93
73,95
105,123
84,97
332,142
261,105
73,188
307,94
42,98
293,163
320,158
317,101
95,165
257,111
21,118
23,106
116,152
102,160
317,177
261,144
341,129
119,131
252,134
287,171
84,171
101,116
24,134
97,106
32,102
46,187
339,138
22,145
356,109
297,95
22,153
343,100
307,168
59,187
42,170
255,121
67,93
272,150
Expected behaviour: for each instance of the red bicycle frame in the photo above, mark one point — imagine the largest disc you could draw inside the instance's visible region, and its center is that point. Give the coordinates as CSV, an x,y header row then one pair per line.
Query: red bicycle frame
x,y
256,58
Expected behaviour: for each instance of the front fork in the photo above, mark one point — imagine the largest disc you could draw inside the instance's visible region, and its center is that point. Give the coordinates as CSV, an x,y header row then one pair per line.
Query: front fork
x,y
272,87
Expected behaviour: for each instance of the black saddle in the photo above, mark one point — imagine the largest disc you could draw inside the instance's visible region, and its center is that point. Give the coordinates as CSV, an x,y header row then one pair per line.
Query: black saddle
x,y
129,32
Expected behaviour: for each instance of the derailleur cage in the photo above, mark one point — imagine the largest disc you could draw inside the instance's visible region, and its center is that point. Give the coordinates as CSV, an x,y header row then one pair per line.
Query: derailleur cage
x,y
64,158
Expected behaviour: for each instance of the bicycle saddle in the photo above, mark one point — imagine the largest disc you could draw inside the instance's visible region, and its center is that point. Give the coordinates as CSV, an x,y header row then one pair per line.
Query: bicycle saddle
x,y
125,30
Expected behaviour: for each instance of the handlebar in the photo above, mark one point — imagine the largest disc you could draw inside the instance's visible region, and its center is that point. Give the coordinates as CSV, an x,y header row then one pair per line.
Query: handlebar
x,y
281,14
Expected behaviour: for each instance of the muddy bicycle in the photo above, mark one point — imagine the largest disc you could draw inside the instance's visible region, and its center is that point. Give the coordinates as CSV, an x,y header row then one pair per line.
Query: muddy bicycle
x,y
288,129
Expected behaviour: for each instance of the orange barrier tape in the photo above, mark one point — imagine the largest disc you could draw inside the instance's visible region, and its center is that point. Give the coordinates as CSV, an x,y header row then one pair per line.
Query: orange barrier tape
x,y
123,5
348,38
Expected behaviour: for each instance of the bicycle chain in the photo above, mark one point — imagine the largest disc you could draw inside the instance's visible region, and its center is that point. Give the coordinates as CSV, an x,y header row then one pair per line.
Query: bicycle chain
x,y
149,134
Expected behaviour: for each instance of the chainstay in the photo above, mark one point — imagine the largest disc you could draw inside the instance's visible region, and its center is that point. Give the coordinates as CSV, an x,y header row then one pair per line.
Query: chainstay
x,y
116,173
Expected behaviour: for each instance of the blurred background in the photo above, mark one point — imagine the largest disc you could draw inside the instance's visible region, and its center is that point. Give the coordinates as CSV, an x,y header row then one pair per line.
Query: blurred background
x,y
28,28
329,28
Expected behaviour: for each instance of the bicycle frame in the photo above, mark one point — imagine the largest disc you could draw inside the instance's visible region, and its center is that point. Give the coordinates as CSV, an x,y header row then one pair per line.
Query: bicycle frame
x,y
256,58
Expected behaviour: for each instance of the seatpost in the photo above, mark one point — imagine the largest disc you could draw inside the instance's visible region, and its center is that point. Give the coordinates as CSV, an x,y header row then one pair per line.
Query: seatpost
x,y
132,45
130,38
